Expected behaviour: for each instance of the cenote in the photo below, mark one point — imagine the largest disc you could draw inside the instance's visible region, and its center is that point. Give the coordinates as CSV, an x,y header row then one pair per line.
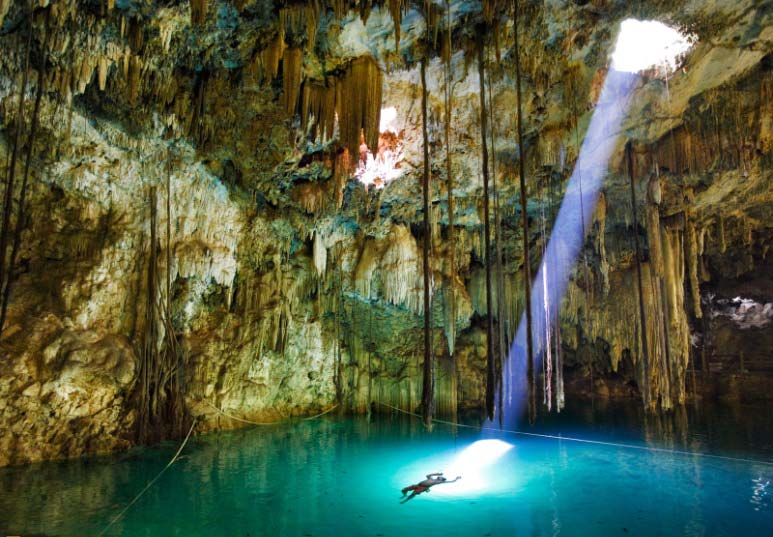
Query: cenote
x,y
386,267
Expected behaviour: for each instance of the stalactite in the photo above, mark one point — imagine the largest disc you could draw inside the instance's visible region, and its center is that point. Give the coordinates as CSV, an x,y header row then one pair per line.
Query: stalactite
x,y
692,257
341,169
318,108
396,8
25,177
5,229
135,78
292,60
490,365
669,314
642,316
102,75
266,66
428,385
358,103
525,222
319,254
432,16
600,217
292,21
659,351
340,8
198,102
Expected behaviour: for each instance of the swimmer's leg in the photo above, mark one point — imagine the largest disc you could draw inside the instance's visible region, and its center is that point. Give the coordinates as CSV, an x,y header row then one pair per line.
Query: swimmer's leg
x,y
412,496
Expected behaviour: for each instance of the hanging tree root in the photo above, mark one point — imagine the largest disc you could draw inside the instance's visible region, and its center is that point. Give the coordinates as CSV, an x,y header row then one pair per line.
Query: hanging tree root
x,y
427,398
490,365
525,225
26,174
5,226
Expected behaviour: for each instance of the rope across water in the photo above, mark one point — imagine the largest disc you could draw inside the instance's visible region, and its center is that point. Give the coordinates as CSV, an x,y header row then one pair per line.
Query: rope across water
x,y
284,420
150,483
182,446
588,441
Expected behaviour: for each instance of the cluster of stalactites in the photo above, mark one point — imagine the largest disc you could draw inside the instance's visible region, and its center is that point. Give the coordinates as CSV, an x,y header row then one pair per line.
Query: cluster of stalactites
x,y
300,18
318,105
396,10
299,22
353,97
358,103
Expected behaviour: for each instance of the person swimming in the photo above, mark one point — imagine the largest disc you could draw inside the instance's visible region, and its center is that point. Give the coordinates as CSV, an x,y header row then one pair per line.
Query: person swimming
x,y
424,486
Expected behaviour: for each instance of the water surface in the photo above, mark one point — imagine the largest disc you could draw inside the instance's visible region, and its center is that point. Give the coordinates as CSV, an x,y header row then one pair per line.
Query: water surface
x,y
342,476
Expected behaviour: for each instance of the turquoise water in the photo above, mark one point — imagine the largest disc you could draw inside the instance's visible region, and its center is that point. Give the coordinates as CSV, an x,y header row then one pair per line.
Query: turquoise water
x,y
342,476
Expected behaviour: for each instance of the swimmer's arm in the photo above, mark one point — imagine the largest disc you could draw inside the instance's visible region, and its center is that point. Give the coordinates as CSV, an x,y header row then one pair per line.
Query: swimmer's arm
x,y
452,481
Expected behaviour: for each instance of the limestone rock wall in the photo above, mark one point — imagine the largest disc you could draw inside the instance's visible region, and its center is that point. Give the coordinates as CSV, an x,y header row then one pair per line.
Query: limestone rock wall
x,y
293,288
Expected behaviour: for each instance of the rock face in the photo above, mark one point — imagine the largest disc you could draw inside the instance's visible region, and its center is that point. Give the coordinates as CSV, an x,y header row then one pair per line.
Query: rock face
x,y
293,288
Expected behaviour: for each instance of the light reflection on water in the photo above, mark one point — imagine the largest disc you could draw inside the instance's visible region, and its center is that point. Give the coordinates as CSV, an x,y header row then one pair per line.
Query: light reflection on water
x,y
342,477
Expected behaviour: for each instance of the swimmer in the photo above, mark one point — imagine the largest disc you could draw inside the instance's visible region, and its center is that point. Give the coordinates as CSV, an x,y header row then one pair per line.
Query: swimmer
x,y
424,486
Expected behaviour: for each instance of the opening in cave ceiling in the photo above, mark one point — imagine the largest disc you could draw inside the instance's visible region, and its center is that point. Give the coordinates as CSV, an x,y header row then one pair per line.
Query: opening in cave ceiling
x,y
380,168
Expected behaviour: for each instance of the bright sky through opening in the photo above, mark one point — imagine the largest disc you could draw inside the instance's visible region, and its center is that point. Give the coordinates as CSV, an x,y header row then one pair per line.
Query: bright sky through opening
x,y
644,44
382,165
388,121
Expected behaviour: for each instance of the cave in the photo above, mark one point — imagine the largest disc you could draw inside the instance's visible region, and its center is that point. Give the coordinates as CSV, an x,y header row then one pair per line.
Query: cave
x,y
370,268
